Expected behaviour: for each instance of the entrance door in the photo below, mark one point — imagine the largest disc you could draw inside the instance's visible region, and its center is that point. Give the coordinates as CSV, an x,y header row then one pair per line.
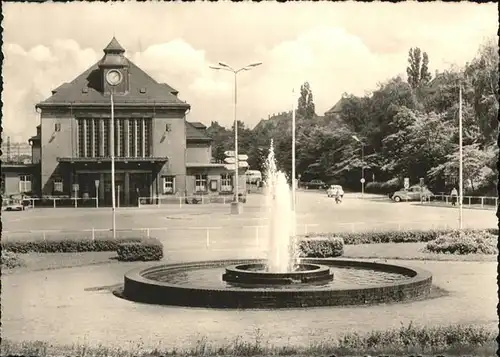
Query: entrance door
x,y
119,189
140,186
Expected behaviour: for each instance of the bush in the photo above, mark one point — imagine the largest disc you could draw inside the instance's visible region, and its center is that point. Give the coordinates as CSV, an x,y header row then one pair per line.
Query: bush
x,y
11,260
467,242
66,245
392,236
145,250
321,247
383,187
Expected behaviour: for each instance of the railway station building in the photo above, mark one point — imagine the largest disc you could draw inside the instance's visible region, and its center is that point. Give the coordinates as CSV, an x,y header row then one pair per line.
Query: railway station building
x,y
157,151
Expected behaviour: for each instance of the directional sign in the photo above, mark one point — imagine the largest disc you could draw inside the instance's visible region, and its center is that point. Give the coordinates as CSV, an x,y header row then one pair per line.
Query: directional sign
x,y
230,167
243,157
229,153
407,183
243,164
230,160
362,180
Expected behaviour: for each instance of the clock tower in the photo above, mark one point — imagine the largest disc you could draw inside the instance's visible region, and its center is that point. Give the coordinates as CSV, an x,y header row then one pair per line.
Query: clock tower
x,y
114,69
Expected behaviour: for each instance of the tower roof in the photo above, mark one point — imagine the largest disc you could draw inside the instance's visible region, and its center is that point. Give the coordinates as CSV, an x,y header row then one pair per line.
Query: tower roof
x,y
114,47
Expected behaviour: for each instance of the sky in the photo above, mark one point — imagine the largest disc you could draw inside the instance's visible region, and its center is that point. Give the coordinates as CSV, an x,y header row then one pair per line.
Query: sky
x,y
337,47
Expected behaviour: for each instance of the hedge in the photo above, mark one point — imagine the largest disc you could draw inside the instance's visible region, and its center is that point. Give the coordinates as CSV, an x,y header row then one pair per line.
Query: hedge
x,y
383,187
319,247
471,242
393,236
145,250
66,245
11,260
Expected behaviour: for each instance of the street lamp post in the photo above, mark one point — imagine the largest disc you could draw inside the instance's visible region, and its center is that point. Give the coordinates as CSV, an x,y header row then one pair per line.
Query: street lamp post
x,y
460,158
112,154
235,206
293,152
362,165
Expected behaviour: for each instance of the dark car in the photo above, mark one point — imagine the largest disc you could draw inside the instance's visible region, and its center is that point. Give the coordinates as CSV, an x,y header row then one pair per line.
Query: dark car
x,y
314,184
413,193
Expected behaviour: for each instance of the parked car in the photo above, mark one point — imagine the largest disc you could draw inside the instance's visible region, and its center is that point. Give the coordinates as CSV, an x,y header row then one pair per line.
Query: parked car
x,y
314,184
14,205
413,193
331,192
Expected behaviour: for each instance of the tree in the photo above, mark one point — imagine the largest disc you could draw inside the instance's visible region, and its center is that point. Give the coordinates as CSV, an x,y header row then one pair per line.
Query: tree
x,y
425,75
475,165
418,68
306,107
222,140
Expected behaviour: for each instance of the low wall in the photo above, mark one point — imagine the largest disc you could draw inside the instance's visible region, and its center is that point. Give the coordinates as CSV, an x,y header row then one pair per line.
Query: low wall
x,y
139,288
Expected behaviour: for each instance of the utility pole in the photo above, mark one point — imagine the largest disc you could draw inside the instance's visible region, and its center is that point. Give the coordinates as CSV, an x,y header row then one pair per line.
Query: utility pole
x,y
460,158
293,153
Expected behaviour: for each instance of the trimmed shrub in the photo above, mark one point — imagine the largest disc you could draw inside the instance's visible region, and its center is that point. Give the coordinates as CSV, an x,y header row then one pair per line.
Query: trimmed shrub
x,y
321,247
467,242
66,245
145,250
392,236
11,260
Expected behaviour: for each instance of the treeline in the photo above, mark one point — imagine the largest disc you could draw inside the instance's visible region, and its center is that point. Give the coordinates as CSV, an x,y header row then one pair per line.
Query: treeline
x,y
409,128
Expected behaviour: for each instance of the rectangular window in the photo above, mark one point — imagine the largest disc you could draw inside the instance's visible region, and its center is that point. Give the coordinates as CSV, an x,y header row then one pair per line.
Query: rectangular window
x,y
131,138
81,138
147,136
88,137
122,138
200,183
106,138
226,183
58,185
24,183
3,184
168,185
97,137
140,139
117,137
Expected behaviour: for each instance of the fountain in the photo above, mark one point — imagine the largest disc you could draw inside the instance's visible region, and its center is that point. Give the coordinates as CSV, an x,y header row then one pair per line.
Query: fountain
x,y
281,280
282,265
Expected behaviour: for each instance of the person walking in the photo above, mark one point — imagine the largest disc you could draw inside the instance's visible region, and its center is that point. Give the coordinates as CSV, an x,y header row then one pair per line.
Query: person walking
x,y
454,196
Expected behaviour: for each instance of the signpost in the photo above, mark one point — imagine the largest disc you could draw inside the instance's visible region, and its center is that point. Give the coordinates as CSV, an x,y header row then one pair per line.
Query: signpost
x,y
407,183
231,161
76,187
96,182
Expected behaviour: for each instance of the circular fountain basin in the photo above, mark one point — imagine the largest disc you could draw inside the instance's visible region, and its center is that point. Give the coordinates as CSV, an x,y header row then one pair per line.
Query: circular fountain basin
x,y
200,284
257,274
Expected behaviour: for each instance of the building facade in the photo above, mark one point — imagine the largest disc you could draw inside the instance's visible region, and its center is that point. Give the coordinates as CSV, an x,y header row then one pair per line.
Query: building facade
x,y
157,152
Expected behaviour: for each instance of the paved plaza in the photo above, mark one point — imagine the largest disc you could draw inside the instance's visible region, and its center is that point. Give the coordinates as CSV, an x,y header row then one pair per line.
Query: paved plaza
x,y
206,232
190,226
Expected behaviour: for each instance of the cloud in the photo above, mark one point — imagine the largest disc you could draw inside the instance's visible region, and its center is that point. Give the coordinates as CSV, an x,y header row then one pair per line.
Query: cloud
x,y
329,46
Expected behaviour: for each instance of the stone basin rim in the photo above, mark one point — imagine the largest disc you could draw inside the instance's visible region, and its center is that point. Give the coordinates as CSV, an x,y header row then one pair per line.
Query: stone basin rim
x,y
414,275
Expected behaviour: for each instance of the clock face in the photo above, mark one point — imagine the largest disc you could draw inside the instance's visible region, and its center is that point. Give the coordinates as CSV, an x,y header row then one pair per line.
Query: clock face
x,y
113,77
